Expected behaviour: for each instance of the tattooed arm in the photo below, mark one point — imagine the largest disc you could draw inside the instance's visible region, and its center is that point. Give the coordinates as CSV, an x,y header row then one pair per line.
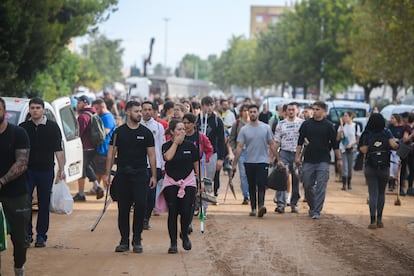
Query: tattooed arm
x,y
18,168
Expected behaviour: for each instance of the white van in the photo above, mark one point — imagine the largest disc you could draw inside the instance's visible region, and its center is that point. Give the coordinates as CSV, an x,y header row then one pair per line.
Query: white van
x,y
337,107
61,112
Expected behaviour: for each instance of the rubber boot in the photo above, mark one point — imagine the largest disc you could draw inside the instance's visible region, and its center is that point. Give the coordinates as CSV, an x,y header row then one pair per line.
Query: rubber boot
x,y
349,183
343,183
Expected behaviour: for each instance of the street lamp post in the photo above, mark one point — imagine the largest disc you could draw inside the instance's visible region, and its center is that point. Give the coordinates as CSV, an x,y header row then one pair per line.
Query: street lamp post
x,y
166,43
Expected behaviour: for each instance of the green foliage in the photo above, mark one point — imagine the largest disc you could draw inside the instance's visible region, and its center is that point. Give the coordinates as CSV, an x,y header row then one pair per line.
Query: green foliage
x,y
62,77
33,34
192,66
106,55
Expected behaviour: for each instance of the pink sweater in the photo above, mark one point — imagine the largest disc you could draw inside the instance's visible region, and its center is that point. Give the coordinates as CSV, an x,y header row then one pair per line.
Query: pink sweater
x,y
160,203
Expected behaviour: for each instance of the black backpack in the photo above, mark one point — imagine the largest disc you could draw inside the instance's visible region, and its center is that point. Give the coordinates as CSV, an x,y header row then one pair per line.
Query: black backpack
x,y
378,155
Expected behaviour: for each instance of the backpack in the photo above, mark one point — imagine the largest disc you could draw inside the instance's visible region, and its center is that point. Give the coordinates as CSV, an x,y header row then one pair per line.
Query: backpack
x,y
378,155
97,129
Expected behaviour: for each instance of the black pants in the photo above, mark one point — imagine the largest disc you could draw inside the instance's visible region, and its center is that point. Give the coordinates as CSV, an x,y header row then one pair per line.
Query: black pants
x,y
88,170
256,176
18,211
216,182
179,206
132,190
151,194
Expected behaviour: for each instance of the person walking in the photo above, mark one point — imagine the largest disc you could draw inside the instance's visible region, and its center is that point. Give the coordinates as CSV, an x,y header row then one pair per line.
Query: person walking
x,y
321,135
179,186
377,143
204,147
45,143
256,136
159,139
212,126
134,143
14,193
84,119
235,130
286,138
99,160
348,134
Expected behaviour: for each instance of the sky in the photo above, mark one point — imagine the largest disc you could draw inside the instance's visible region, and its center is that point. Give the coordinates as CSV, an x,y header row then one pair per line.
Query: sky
x,y
179,27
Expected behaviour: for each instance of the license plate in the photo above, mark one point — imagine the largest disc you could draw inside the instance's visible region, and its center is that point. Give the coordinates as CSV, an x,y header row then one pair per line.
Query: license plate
x,y
74,169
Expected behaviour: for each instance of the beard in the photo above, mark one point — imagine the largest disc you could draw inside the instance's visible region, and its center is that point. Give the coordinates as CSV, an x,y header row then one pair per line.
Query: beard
x,y
253,119
135,120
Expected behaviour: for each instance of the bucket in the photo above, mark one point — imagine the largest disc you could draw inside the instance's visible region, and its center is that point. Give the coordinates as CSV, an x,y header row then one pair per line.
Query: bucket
x,y
403,150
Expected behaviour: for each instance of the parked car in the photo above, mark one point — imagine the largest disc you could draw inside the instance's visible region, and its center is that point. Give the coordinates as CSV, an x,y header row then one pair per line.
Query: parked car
x,y
337,107
390,109
61,112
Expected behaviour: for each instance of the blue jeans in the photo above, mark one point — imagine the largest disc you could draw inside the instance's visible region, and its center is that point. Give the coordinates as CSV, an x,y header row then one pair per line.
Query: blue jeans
x,y
257,176
315,178
288,158
244,184
43,180
347,163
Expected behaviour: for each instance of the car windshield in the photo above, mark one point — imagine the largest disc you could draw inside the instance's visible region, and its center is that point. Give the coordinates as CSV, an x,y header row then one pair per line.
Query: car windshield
x,y
334,113
12,117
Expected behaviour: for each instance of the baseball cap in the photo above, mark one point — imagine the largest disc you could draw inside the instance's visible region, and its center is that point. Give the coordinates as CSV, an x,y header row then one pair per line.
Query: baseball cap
x,y
84,99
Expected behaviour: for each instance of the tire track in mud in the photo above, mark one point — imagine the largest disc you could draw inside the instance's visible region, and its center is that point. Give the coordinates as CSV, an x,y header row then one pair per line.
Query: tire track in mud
x,y
247,251
359,248
293,244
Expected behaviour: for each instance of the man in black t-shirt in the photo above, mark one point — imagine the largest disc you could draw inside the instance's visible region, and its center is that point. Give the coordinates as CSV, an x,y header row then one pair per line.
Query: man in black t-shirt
x,y
134,142
45,143
14,152
315,170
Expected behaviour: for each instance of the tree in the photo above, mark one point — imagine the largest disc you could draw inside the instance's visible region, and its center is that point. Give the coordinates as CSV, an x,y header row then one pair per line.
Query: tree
x,y
33,34
192,66
106,55
62,77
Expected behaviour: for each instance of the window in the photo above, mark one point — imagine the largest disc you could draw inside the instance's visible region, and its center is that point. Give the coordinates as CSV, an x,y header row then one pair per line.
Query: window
x,y
12,117
259,18
69,123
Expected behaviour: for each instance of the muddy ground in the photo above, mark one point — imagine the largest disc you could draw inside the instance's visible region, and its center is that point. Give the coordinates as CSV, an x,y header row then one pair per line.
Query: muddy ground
x,y
339,243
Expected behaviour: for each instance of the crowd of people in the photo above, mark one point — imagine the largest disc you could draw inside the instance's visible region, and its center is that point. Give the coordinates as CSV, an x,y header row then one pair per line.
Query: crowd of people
x,y
168,152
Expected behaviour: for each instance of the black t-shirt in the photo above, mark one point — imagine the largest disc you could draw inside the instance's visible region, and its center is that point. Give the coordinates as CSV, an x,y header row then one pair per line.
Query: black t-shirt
x,y
12,138
132,146
183,162
321,136
45,140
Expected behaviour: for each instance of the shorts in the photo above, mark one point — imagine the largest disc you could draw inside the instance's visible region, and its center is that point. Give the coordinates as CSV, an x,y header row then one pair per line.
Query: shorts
x,y
99,164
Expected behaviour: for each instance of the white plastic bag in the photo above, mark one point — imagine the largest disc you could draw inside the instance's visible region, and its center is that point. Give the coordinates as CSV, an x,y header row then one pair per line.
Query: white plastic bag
x,y
61,200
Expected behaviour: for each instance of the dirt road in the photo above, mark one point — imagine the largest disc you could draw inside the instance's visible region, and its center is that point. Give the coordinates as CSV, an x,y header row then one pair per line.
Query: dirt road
x,y
235,244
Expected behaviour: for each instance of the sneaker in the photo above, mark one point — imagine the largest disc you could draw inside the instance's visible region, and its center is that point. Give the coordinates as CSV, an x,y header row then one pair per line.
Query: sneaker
x,y
380,224
372,226
245,201
173,248
280,209
19,271
146,225
28,241
252,213
80,198
91,192
295,209
262,211
186,242
99,193
122,248
40,242
316,216
137,247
